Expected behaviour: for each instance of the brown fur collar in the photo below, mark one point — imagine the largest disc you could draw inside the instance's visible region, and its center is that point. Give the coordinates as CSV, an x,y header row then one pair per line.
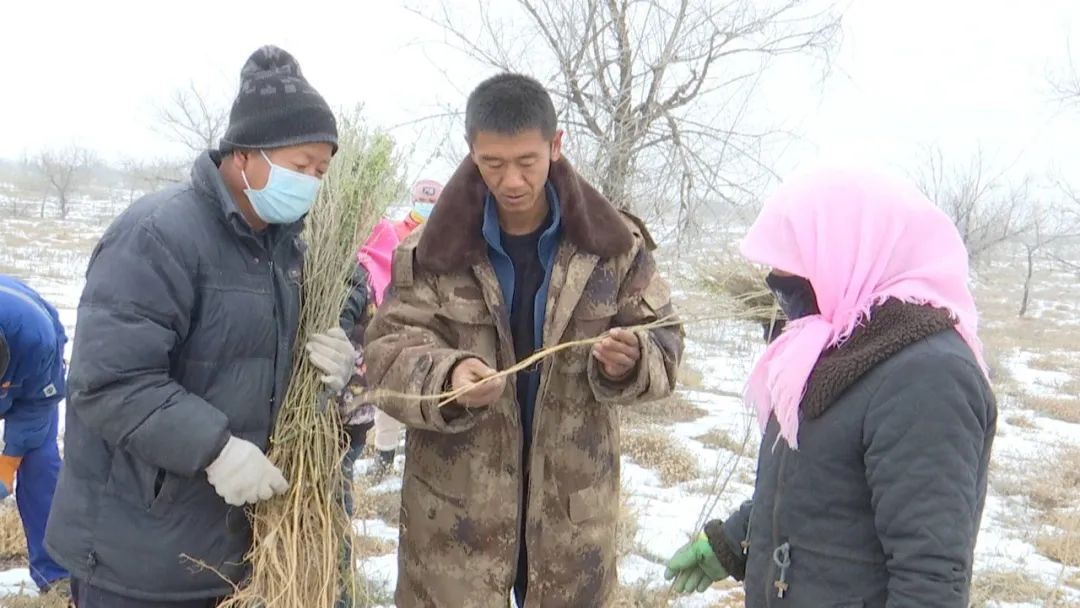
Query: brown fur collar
x,y
452,239
892,327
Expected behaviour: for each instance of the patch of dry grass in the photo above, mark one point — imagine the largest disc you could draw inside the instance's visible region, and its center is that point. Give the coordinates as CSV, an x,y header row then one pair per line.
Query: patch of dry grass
x,y
1061,546
370,593
690,378
12,540
999,371
25,601
641,596
1060,408
1050,362
1020,421
1051,484
735,597
1007,586
376,505
1073,580
1061,541
628,526
1072,386
672,410
388,507
1057,486
1031,335
721,439
371,546
658,451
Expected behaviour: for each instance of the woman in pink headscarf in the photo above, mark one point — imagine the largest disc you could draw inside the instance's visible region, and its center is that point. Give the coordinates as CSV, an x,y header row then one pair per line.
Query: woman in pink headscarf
x,y
369,282
874,404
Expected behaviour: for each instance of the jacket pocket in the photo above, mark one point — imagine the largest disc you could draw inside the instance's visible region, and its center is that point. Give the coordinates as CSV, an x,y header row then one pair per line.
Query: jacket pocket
x,y
455,498
593,318
471,326
431,511
466,312
589,320
841,553
139,484
164,491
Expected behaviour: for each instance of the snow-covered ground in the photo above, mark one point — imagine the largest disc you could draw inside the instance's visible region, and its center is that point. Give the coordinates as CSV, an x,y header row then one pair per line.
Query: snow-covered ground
x,y
51,255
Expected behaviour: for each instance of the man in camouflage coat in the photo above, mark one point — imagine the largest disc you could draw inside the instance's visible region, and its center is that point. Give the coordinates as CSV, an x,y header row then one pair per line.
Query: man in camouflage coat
x,y
516,487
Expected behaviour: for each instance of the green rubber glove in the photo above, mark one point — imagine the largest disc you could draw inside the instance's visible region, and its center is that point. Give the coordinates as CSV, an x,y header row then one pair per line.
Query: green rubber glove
x,y
694,567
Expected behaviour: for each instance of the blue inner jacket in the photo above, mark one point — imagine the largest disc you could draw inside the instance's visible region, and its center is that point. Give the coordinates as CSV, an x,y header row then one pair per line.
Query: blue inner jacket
x,y
504,271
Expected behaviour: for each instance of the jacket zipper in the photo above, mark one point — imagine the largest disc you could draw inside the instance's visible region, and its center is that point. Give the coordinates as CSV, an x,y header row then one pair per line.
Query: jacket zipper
x,y
277,330
521,523
521,434
279,291
266,247
503,330
745,544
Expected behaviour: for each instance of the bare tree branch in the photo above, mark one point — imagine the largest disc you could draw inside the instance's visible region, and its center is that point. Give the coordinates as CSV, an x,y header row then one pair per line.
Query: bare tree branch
x,y
192,120
1065,81
987,211
633,79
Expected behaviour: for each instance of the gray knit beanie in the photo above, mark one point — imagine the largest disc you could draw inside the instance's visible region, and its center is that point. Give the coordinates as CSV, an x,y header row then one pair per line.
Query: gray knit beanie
x,y
276,107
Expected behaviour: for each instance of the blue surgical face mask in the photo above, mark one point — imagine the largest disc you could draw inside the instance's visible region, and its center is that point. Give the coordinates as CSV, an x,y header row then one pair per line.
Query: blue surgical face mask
x,y
795,295
424,209
286,197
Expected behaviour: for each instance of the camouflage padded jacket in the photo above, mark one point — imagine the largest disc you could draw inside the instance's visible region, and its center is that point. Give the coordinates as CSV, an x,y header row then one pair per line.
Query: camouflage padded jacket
x,y
464,479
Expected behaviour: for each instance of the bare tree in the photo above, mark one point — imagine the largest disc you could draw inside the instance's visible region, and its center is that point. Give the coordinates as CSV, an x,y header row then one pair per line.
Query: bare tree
x,y
656,94
1048,227
31,180
193,119
134,171
1065,84
986,209
64,170
1069,224
11,193
22,182
1064,80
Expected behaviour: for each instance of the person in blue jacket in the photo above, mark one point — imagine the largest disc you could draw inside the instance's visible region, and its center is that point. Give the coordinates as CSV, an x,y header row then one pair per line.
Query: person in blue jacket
x,y
31,387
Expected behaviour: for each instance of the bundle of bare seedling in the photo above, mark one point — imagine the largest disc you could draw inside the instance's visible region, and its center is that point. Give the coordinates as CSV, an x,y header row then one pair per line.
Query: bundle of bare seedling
x,y
299,558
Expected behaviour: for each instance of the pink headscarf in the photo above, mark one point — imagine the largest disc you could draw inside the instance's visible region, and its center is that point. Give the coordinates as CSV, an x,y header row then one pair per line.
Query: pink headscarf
x,y
377,254
860,238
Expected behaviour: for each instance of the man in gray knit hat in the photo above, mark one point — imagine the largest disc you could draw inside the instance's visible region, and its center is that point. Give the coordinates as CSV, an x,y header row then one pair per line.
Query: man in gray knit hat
x,y
186,330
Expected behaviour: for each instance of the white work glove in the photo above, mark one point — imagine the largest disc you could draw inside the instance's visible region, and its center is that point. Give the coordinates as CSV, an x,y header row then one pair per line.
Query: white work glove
x,y
333,355
242,474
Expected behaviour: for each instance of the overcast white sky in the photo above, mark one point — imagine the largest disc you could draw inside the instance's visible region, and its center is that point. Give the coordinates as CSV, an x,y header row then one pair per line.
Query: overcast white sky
x,y
957,73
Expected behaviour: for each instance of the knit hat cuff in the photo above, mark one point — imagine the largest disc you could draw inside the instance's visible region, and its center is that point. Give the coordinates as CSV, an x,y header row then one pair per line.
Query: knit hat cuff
x,y
227,146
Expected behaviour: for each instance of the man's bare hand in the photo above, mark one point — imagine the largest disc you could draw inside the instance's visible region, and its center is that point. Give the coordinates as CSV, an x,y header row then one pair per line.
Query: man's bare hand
x,y
618,353
469,372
